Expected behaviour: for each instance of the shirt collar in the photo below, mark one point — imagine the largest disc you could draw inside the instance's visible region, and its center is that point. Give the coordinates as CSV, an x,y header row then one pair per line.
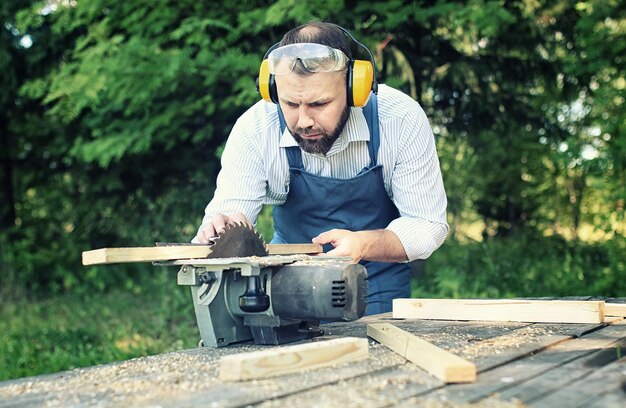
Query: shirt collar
x,y
355,130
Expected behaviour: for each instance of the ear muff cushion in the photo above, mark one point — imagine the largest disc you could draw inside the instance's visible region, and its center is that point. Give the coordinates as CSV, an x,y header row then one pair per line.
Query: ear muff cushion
x,y
362,78
273,89
349,84
265,81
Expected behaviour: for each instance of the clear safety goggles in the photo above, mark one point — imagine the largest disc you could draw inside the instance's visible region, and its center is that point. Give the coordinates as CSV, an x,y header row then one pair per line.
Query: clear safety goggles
x,y
314,57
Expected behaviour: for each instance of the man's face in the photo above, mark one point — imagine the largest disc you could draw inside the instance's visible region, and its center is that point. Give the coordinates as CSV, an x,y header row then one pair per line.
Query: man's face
x,y
315,108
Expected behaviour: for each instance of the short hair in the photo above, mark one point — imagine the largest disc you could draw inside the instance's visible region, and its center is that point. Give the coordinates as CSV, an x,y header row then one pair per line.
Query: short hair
x,y
317,32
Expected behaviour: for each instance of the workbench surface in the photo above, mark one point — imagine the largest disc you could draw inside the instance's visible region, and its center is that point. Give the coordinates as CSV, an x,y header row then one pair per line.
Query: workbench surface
x,y
519,364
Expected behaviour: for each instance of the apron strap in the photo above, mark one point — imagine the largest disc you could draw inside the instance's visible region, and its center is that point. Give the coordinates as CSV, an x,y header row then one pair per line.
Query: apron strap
x,y
370,111
293,153
371,117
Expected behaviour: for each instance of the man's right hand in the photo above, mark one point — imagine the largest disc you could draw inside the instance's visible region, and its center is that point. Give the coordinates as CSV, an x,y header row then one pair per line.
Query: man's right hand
x,y
217,225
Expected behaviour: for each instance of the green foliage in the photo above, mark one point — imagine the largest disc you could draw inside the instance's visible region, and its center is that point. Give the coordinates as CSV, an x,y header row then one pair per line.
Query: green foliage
x,y
123,109
525,265
265,223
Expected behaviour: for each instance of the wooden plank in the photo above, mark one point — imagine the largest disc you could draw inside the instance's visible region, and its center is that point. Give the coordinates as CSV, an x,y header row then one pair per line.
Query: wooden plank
x,y
540,372
144,254
290,359
294,249
615,309
570,374
585,389
172,252
610,398
438,362
514,310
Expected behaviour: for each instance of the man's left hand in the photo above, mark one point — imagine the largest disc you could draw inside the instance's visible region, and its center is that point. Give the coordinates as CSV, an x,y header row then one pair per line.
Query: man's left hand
x,y
346,243
376,245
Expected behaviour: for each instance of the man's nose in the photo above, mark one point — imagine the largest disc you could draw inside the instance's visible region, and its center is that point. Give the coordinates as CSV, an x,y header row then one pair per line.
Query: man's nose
x,y
304,119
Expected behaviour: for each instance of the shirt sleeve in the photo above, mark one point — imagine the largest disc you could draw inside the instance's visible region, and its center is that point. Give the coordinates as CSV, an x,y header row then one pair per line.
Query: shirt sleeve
x,y
417,188
242,180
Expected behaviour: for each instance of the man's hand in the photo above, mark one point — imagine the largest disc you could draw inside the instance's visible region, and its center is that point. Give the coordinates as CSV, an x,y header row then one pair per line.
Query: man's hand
x,y
217,225
346,243
376,245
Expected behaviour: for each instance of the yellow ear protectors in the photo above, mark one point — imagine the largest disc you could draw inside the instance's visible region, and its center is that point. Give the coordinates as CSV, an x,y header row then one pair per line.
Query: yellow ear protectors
x,y
360,83
265,84
361,75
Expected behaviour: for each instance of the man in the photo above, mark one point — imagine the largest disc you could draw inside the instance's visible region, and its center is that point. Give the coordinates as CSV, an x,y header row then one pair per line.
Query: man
x,y
365,183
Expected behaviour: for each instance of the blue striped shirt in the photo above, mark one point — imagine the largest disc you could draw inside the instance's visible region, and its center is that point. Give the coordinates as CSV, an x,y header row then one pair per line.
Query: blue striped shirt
x,y
255,170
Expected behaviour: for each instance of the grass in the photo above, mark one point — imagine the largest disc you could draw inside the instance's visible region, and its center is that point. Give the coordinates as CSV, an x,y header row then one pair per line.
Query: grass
x,y
39,336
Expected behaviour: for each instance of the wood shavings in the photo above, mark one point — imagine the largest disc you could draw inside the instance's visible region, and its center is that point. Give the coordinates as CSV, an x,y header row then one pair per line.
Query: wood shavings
x,y
499,344
133,379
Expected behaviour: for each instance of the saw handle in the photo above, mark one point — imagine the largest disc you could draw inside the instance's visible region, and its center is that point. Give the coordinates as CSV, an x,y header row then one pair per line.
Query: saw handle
x,y
254,299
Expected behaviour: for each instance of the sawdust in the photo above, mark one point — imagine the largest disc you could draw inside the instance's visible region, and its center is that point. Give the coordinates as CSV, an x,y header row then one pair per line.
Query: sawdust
x,y
137,378
366,383
500,344
463,340
180,376
383,379
393,386
380,381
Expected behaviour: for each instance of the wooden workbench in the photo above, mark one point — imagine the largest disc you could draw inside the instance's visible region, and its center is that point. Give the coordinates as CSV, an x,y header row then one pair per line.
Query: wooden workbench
x,y
519,364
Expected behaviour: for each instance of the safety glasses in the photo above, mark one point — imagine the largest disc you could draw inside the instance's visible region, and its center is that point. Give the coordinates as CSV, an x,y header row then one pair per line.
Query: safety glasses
x,y
314,57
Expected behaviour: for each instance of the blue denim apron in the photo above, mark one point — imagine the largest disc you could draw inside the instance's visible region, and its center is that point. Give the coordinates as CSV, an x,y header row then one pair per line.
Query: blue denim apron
x,y
316,204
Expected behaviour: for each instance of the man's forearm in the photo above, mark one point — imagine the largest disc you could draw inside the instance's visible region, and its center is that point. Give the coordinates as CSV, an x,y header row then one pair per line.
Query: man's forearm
x,y
420,238
382,245
375,245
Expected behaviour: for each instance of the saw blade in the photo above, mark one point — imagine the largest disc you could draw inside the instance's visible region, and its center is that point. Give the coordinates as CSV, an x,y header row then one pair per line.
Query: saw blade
x,y
237,240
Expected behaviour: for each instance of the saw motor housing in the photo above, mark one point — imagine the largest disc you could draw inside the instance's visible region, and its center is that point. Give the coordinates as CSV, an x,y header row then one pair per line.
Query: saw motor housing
x,y
272,299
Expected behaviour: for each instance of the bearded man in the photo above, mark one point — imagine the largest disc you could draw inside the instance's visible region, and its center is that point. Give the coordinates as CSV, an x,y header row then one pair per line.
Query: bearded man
x,y
346,163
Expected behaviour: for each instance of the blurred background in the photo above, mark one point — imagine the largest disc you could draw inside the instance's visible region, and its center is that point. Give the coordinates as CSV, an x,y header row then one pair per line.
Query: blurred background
x,y
113,115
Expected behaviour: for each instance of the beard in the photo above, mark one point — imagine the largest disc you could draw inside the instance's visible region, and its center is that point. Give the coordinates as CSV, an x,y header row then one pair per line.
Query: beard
x,y
322,144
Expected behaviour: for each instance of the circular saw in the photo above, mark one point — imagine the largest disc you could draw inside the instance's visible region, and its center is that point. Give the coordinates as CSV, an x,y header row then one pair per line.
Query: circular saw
x,y
241,293
238,240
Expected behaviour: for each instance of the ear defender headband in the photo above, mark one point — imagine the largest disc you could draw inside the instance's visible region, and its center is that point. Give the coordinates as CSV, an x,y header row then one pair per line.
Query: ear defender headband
x,y
360,81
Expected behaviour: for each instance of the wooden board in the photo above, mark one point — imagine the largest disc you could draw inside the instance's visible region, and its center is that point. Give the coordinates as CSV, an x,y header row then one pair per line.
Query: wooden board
x,y
590,384
294,249
167,253
290,359
583,360
540,373
446,366
144,254
615,309
513,310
